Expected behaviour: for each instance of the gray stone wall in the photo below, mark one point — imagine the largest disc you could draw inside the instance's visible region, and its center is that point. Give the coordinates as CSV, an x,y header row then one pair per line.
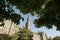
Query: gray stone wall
x,y
40,36
36,37
5,29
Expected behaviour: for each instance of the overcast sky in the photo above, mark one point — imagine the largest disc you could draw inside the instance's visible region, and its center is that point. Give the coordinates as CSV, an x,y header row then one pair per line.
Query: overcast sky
x,y
50,32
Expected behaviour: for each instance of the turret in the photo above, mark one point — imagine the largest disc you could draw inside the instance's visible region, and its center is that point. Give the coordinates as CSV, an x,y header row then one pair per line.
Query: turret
x,y
28,23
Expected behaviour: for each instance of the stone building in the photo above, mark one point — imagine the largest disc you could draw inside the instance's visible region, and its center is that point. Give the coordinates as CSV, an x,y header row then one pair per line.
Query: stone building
x,y
39,36
12,29
36,36
9,28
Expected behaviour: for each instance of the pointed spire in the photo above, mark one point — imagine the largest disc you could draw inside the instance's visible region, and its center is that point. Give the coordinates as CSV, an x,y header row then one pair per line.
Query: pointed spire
x,y
28,23
28,19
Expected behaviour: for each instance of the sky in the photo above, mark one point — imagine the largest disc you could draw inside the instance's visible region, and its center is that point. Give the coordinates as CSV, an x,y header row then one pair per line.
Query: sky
x,y
50,32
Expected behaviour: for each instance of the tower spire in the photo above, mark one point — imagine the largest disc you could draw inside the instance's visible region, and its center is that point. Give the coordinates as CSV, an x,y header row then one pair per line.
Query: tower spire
x,y
28,23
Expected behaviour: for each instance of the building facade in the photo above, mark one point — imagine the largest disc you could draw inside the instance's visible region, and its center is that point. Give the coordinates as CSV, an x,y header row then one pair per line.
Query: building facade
x,y
36,36
12,29
8,28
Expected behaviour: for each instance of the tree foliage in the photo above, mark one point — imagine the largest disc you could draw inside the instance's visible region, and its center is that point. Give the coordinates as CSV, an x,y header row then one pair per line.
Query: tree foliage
x,y
23,34
8,13
47,10
50,15
4,37
28,6
56,38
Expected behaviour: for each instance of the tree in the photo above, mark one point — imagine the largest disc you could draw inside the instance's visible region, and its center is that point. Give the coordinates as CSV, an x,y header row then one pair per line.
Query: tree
x,y
56,38
4,37
50,15
8,13
28,6
47,10
23,34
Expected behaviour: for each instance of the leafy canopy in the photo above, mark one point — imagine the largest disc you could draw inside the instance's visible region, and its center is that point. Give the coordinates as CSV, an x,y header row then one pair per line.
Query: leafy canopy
x,y
56,38
50,15
28,6
8,13
47,10
23,34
